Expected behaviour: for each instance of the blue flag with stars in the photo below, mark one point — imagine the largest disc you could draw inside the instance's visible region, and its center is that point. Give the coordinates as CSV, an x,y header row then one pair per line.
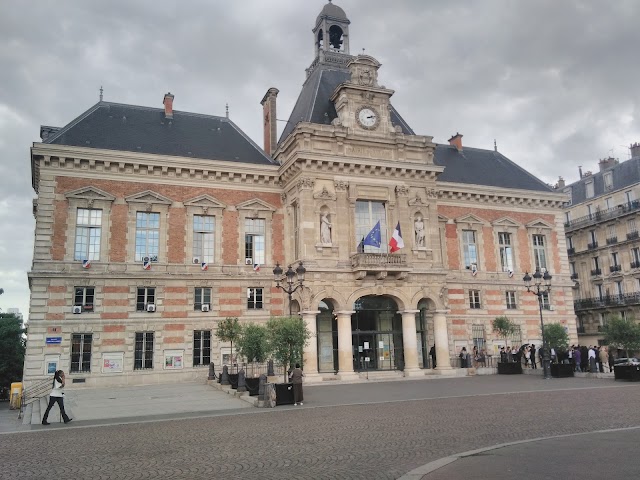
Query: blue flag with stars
x,y
373,238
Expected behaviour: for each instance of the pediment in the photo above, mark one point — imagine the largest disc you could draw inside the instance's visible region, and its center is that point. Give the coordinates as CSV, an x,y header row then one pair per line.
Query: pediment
x,y
443,218
470,219
90,193
149,197
539,223
418,201
256,204
505,222
205,201
324,194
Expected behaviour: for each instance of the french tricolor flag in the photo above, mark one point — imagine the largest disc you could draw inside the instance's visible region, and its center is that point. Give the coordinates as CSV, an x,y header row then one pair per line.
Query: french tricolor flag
x,y
396,242
256,267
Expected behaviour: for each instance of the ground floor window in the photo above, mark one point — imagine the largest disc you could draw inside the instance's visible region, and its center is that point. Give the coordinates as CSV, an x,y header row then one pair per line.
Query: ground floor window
x,y
81,352
143,357
327,328
201,347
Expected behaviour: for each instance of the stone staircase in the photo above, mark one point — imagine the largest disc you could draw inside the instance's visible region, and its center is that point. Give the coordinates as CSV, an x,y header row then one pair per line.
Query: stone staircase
x,y
34,411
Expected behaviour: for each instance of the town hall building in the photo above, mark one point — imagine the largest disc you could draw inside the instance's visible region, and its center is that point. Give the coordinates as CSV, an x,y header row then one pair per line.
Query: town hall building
x,y
153,225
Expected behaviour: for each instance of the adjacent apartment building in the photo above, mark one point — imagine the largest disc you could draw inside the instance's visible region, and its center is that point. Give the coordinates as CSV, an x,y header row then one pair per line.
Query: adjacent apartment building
x,y
153,224
603,243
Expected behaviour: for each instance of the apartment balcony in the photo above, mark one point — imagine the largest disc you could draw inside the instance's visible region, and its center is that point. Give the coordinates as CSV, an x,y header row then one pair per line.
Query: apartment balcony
x,y
608,301
602,215
574,276
380,265
571,251
612,240
615,268
596,272
635,264
633,235
592,246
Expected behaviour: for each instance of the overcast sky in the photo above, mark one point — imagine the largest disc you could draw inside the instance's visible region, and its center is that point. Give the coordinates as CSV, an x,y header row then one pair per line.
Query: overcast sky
x,y
554,82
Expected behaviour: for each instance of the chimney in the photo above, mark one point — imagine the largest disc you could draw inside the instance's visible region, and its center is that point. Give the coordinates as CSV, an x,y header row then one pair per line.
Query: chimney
x,y
580,170
168,105
456,141
635,150
560,183
606,163
269,120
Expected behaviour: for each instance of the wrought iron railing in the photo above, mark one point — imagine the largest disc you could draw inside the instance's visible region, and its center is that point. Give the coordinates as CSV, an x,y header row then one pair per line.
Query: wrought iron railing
x,y
592,246
595,272
574,276
571,251
603,215
34,392
612,240
615,268
632,235
635,264
607,301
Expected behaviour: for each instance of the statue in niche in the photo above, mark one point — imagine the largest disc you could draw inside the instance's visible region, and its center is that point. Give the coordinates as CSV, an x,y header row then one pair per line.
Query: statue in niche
x,y
325,228
418,226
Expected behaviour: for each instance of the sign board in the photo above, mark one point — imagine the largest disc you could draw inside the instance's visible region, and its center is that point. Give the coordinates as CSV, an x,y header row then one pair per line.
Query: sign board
x,y
112,362
54,340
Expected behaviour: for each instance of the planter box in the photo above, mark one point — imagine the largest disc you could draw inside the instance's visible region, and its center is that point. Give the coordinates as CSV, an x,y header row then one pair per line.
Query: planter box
x,y
627,372
284,394
253,385
509,368
561,370
233,380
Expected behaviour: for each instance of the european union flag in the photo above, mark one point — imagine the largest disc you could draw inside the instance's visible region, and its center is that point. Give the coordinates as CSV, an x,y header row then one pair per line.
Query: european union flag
x,y
373,238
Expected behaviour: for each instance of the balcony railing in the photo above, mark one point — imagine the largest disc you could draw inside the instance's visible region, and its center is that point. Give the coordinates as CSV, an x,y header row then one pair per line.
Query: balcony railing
x,y
632,235
574,276
380,264
592,246
580,330
635,264
595,272
607,301
603,215
612,240
571,251
615,268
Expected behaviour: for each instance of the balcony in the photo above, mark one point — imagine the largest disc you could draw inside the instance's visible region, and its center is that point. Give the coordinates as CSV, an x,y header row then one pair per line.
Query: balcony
x,y
571,251
602,215
632,235
607,301
612,240
592,246
595,272
574,276
380,264
580,330
635,264
615,268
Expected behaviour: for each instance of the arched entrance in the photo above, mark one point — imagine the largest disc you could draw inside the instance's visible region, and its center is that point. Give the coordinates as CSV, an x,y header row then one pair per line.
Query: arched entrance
x,y
327,335
377,334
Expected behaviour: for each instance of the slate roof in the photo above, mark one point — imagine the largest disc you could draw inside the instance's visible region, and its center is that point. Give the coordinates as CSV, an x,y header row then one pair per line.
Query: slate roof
x,y
476,166
314,104
624,175
114,126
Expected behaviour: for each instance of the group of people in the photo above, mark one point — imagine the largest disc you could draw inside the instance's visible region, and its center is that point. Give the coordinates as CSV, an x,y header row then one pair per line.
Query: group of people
x,y
477,358
594,359
525,354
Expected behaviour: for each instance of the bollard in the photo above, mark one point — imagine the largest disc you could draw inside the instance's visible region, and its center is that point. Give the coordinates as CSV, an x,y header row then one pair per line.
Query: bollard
x,y
224,378
261,384
242,385
212,372
270,371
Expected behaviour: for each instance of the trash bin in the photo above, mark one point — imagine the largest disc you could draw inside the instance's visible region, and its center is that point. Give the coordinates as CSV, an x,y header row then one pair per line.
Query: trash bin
x,y
284,394
15,395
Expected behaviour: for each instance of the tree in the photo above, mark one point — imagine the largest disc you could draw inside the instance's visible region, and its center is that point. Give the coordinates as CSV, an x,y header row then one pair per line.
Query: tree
x,y
253,343
229,331
288,337
622,333
556,337
504,327
12,348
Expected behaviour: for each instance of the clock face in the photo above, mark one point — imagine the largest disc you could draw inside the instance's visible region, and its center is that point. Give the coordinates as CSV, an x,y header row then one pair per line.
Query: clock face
x,y
367,118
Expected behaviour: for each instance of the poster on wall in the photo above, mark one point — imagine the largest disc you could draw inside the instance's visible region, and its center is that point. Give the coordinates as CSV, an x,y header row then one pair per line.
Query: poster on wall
x,y
228,357
51,364
173,359
112,362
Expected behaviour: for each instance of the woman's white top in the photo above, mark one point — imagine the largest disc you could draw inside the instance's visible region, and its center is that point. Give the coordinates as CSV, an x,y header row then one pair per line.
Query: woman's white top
x,y
58,389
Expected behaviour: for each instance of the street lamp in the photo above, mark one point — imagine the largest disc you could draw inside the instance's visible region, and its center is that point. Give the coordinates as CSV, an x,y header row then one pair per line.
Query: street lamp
x,y
540,289
289,274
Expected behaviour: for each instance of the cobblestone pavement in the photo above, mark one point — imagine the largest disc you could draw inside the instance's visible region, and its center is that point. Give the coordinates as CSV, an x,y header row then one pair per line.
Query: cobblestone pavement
x,y
372,441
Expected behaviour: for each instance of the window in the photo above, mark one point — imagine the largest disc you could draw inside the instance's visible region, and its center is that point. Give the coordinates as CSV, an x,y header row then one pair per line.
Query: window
x,y
254,298
589,189
594,238
511,300
546,303
147,236
203,238
506,251
143,356
145,296
631,226
254,240
608,203
539,251
202,297
368,213
611,231
81,352
608,181
474,298
83,296
602,320
589,210
619,288
570,242
567,191
201,347
88,228
572,268
598,291
567,217
614,259
469,248
296,230
477,332
629,196
623,315
596,263
635,256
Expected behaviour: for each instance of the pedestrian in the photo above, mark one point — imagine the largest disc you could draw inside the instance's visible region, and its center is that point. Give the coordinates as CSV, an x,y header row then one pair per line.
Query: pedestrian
x,y
296,379
503,355
592,360
611,360
474,356
56,396
533,356
604,359
482,358
509,358
527,357
463,357
577,357
432,353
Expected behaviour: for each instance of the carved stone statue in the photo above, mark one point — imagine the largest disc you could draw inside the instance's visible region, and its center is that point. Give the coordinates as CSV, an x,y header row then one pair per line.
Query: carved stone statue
x,y
325,229
418,226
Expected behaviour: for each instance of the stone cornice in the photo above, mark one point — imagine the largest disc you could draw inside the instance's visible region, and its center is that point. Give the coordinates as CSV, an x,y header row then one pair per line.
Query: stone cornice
x,y
153,167
499,196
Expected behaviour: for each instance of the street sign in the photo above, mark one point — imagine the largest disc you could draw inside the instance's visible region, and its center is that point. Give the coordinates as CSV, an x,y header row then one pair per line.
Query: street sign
x,y
54,340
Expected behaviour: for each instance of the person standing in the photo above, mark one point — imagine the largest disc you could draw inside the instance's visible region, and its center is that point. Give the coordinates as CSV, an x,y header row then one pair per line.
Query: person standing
x,y
463,357
604,359
296,379
577,357
432,353
533,357
56,396
592,360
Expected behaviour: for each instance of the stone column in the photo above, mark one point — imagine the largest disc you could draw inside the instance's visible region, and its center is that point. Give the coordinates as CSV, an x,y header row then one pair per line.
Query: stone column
x,y
345,351
310,354
441,340
410,343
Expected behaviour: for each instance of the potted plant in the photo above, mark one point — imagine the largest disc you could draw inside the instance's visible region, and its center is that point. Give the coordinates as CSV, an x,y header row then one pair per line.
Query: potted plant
x,y
253,343
504,328
229,330
558,339
624,334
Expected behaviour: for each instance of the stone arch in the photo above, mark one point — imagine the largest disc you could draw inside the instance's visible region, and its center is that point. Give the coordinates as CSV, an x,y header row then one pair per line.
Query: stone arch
x,y
435,301
329,294
396,294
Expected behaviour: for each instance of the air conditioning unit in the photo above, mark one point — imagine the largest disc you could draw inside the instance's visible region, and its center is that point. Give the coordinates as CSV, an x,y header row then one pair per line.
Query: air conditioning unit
x,y
248,261
151,307
77,309
195,260
204,307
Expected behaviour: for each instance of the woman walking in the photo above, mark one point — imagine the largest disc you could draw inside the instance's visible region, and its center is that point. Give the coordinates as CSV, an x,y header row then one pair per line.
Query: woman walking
x,y
296,379
56,396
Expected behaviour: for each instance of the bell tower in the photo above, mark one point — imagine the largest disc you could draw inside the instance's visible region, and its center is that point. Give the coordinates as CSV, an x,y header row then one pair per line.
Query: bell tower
x,y
331,38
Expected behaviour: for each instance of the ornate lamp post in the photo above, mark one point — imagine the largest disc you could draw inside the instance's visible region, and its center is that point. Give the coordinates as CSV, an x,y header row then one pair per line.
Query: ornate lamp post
x,y
289,274
540,289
